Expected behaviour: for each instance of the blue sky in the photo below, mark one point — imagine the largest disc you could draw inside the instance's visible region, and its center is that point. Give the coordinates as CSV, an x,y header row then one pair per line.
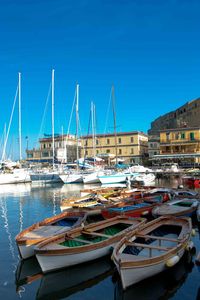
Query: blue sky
x,y
149,50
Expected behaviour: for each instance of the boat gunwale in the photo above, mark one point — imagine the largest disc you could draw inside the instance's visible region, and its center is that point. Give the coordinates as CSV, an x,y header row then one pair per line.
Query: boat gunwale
x,y
42,248
182,239
22,240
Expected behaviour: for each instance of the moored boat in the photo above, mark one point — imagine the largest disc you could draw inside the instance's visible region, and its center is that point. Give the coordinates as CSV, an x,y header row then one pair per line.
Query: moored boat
x,y
139,209
177,207
29,237
83,244
159,245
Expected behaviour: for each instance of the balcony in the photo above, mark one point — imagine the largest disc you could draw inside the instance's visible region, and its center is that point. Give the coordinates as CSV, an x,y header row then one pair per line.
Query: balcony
x,y
179,142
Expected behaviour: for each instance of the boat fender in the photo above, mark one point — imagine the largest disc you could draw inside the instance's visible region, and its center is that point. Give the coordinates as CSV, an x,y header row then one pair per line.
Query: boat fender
x,y
172,261
193,232
144,213
190,246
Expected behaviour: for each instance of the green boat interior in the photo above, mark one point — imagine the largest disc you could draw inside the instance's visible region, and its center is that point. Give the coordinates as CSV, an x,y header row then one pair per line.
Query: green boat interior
x,y
88,237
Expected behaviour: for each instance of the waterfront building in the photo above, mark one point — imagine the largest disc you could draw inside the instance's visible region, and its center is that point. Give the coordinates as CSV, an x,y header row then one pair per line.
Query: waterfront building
x,y
65,149
128,147
153,146
180,144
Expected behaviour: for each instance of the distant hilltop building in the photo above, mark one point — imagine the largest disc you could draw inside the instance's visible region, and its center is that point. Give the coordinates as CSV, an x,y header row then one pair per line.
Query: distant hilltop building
x,y
185,116
176,135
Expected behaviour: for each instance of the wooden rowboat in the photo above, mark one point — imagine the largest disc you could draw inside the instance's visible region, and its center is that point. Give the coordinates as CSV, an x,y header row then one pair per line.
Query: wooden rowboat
x,y
83,244
138,209
157,246
36,233
179,207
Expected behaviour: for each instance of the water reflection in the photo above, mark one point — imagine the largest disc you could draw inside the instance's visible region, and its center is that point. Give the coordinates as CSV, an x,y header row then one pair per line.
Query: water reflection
x,y
70,281
63,283
15,190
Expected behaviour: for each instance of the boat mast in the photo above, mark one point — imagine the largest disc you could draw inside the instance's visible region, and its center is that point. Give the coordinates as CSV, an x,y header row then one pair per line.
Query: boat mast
x,y
114,120
93,129
20,124
77,123
52,97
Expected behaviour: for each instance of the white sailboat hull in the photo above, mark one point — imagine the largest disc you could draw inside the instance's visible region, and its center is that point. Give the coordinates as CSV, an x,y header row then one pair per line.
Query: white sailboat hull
x,y
116,178
15,177
45,178
92,178
72,178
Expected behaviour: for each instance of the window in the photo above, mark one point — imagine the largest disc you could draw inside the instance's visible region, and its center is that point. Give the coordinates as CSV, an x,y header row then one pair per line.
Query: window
x,y
192,136
107,151
86,143
108,141
97,142
167,136
49,145
120,151
45,154
44,146
86,152
132,151
176,136
182,136
97,151
119,140
132,140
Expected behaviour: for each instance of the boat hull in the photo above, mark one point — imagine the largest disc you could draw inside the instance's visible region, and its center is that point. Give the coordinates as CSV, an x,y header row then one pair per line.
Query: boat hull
x,y
50,263
45,178
112,179
131,276
71,178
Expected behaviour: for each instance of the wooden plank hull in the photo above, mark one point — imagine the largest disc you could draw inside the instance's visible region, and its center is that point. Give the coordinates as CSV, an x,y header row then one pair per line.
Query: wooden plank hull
x,y
83,244
51,263
29,237
178,208
137,274
160,244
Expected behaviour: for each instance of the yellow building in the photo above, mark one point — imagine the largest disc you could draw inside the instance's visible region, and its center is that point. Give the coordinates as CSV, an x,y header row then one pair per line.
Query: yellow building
x,y
130,147
181,143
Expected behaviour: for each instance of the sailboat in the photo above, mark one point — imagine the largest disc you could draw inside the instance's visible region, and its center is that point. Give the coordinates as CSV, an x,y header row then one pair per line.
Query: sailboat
x,y
114,177
13,174
74,176
93,177
48,176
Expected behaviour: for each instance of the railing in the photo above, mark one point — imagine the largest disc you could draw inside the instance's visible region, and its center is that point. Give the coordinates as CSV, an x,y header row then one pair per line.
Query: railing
x,y
180,141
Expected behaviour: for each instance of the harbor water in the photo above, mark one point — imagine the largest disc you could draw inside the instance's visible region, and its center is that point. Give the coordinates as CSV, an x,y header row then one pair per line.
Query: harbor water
x,y
24,204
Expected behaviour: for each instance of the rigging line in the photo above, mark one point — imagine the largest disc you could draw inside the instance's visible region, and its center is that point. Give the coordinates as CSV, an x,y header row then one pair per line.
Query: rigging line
x,y
44,114
5,144
71,114
3,138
